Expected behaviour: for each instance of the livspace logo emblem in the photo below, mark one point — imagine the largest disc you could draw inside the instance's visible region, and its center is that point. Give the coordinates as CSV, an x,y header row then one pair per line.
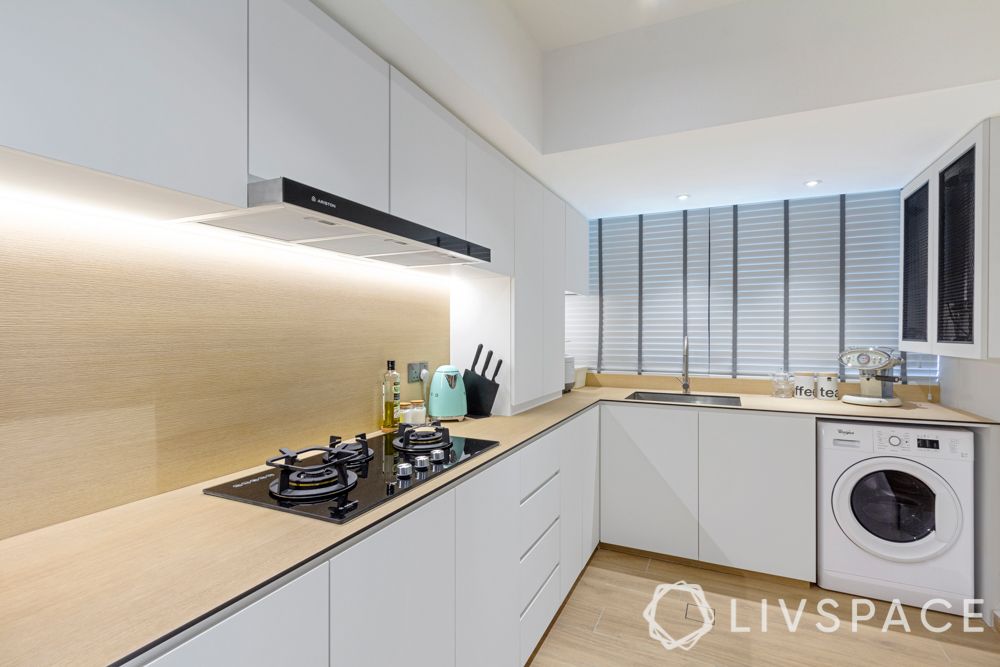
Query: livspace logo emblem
x,y
688,641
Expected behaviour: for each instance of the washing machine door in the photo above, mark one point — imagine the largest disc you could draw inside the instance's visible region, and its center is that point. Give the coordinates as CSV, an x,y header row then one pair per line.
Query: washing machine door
x,y
897,509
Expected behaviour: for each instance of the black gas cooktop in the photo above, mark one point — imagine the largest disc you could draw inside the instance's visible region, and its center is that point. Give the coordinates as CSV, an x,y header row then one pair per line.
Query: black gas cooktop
x,y
340,481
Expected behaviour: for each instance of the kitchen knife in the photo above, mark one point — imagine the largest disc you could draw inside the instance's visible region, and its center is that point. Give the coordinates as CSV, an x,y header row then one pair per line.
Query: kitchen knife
x,y
486,364
475,360
496,370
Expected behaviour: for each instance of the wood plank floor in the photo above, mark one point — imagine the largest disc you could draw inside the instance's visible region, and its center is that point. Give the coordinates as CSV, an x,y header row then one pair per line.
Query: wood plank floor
x,y
602,624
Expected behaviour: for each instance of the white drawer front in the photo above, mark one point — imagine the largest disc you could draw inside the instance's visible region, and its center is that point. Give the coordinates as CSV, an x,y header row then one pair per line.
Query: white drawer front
x,y
539,461
537,565
537,616
537,514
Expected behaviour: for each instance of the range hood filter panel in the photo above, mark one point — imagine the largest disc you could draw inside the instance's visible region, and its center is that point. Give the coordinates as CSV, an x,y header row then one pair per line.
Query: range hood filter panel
x,y
366,245
284,225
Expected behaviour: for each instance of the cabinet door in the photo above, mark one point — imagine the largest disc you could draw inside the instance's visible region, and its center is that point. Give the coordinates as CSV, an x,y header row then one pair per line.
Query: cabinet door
x,y
571,483
486,567
152,91
252,636
757,492
427,159
554,299
577,252
961,249
319,103
589,451
392,595
490,203
915,319
579,516
649,478
529,296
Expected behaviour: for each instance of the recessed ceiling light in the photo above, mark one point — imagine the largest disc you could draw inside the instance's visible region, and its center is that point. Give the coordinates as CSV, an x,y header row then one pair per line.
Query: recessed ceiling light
x,y
813,183
683,197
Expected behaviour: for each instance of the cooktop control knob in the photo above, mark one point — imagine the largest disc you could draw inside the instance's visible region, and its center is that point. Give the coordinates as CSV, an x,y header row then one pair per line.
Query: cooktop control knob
x,y
404,470
421,463
894,440
437,456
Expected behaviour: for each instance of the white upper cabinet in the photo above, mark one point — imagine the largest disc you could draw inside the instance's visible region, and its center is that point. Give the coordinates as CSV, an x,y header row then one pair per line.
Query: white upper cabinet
x,y
553,286
152,91
427,164
950,236
490,203
319,103
529,297
577,252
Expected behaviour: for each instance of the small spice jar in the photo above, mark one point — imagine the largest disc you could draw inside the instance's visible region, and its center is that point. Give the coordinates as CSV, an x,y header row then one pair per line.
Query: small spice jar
x,y
827,386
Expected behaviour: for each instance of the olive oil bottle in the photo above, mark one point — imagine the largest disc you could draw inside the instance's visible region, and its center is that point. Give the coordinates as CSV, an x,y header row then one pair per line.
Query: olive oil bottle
x,y
390,397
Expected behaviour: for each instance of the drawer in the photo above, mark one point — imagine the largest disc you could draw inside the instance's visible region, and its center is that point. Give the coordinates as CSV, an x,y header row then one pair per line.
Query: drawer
x,y
536,514
537,565
539,461
537,616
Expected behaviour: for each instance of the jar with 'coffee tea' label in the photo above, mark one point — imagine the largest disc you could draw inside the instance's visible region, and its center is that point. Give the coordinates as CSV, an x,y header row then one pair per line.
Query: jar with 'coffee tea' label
x,y
805,385
827,386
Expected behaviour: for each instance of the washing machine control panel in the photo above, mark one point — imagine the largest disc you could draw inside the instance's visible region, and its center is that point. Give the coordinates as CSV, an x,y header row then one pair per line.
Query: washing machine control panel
x,y
918,441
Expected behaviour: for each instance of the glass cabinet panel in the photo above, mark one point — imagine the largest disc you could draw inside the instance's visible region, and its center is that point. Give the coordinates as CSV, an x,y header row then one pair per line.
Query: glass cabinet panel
x,y
957,249
915,219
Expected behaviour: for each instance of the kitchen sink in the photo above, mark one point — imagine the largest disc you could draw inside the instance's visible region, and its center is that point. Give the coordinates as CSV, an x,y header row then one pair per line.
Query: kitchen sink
x,y
684,399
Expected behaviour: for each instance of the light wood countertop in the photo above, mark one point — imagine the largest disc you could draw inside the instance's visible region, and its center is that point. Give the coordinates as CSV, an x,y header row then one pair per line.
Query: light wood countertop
x,y
98,588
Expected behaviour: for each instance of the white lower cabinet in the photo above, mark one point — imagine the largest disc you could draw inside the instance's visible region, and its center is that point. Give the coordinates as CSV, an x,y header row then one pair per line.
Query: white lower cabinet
x,y
486,567
579,466
538,615
252,636
757,492
392,595
649,478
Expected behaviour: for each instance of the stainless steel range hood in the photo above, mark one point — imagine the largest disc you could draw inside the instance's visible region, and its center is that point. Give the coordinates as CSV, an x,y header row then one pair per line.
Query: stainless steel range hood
x,y
287,210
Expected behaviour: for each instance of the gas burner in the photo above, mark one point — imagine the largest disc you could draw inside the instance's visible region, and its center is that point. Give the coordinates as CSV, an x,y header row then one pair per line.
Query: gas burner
x,y
328,478
362,452
421,439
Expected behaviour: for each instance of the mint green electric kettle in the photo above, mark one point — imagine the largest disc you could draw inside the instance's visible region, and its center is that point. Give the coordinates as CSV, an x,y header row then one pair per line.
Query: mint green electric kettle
x,y
446,398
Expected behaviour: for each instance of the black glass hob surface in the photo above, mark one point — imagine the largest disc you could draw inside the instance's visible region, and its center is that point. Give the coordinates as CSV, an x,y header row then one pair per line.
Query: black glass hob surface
x,y
377,479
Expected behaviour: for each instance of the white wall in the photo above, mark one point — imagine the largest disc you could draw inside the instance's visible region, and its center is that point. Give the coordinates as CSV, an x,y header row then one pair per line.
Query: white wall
x,y
759,59
974,386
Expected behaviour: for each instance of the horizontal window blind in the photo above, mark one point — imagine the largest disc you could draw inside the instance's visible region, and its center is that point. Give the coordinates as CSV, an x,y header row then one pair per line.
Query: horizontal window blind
x,y
662,292
814,284
582,311
619,349
720,290
760,289
756,288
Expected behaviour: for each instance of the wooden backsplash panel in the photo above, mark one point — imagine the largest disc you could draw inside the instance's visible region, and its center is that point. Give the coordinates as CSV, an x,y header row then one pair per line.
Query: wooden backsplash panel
x,y
138,358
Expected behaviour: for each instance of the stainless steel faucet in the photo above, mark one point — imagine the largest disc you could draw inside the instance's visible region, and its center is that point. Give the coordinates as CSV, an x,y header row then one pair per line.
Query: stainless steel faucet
x,y
685,378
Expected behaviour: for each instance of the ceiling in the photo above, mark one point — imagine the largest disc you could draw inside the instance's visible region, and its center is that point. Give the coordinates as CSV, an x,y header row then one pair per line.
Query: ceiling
x,y
554,24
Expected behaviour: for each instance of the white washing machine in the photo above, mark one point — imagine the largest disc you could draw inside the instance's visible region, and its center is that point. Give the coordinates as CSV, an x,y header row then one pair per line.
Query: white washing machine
x,y
895,512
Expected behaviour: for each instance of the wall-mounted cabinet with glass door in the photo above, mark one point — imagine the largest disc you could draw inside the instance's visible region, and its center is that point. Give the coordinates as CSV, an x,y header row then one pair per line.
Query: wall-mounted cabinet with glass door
x,y
945,253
